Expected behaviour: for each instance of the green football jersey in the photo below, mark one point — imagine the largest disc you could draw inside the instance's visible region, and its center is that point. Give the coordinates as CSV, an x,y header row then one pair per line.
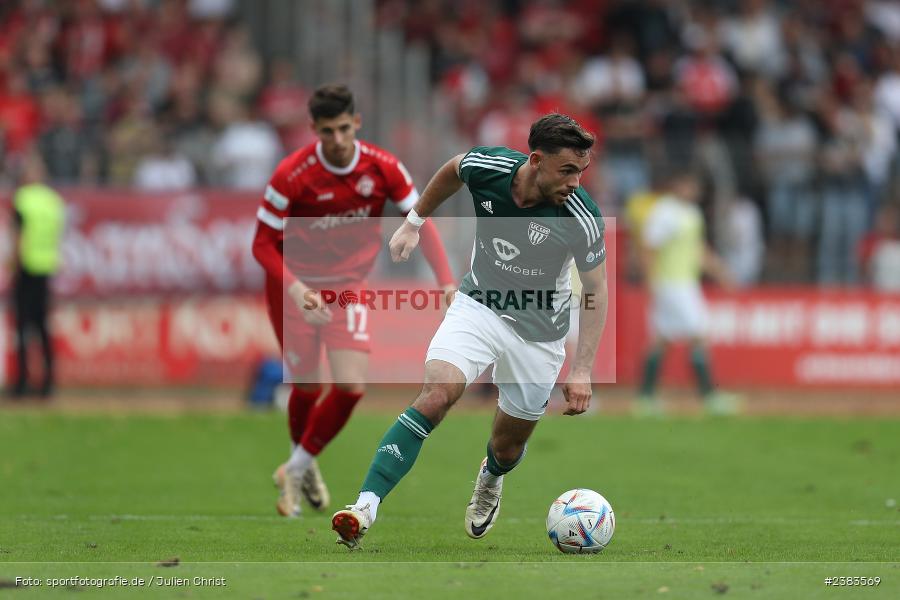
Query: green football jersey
x,y
522,259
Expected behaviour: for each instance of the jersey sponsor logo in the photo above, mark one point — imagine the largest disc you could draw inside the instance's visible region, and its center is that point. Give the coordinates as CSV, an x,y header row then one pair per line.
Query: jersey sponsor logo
x,y
365,186
505,250
486,205
325,196
537,233
353,215
519,270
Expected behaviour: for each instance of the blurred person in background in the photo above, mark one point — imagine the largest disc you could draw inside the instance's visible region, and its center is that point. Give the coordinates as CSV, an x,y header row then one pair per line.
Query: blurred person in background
x,y
887,89
147,70
238,68
38,218
164,168
64,144
879,146
130,138
706,79
20,117
753,38
744,246
210,9
785,149
613,86
187,123
676,257
246,149
333,177
843,188
281,103
508,123
879,251
638,207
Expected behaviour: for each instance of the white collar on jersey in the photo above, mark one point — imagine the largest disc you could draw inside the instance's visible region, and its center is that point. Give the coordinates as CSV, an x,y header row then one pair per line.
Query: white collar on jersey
x,y
339,170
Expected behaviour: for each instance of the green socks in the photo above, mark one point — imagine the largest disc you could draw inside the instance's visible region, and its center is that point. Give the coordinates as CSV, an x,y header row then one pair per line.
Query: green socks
x,y
498,469
396,452
651,373
700,362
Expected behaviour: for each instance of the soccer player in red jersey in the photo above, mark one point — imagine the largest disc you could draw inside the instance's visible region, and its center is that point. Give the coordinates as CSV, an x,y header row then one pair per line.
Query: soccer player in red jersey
x,y
339,185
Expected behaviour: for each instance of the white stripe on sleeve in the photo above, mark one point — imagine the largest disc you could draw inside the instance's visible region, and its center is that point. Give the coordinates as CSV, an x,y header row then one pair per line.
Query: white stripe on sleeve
x,y
587,219
592,220
276,198
472,162
406,204
588,234
270,219
510,161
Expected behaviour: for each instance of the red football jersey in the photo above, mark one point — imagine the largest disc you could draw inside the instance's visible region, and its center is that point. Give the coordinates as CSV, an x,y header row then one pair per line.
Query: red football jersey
x,y
339,235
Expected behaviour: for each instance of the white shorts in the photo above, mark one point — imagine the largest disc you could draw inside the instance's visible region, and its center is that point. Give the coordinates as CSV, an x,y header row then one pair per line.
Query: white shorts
x,y
472,336
679,311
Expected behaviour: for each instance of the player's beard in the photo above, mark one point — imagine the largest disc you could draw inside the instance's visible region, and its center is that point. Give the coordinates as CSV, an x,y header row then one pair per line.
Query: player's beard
x,y
549,193
558,196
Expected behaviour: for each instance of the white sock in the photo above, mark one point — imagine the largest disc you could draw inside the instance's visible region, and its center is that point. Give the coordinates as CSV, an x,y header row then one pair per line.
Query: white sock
x,y
488,478
372,500
299,461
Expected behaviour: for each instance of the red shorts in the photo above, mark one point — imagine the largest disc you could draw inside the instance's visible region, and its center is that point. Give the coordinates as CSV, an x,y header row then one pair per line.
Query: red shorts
x,y
302,343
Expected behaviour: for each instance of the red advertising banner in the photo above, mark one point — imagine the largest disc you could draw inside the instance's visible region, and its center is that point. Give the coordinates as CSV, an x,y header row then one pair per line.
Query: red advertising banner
x,y
759,338
780,338
163,289
194,340
219,340
122,242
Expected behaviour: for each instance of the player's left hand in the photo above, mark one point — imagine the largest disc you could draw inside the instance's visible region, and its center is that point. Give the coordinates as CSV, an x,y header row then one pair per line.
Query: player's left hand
x,y
403,242
577,391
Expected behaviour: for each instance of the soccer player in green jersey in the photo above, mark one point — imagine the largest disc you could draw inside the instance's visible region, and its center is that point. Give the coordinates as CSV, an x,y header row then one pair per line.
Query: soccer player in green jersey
x,y
512,309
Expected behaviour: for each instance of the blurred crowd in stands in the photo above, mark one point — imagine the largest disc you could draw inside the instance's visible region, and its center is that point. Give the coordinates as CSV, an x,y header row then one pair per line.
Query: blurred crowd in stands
x,y
789,109
157,94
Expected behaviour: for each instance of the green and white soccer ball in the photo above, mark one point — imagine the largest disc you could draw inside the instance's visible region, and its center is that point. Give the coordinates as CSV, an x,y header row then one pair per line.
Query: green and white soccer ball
x,y
580,521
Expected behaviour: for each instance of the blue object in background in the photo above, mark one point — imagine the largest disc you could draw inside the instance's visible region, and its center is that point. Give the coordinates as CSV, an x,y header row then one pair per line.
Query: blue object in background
x,y
268,376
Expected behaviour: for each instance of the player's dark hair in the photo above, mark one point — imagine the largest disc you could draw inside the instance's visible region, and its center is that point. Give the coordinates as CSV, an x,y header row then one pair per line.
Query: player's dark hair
x,y
331,100
554,132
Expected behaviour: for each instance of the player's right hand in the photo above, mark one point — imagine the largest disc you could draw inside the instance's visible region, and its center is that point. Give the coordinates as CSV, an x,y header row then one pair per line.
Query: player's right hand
x,y
314,309
577,392
403,242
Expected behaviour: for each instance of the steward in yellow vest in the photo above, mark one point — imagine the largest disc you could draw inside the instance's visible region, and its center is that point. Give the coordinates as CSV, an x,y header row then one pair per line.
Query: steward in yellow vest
x,y
38,217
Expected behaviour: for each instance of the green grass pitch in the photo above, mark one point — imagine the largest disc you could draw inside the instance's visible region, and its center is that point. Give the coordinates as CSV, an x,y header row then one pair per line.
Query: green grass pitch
x,y
705,508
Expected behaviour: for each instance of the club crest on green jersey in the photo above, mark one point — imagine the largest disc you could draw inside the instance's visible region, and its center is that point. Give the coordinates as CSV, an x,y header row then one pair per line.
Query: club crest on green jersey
x,y
537,233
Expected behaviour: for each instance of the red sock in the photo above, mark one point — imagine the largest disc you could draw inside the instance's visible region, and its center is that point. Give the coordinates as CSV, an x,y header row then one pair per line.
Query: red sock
x,y
328,418
300,404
